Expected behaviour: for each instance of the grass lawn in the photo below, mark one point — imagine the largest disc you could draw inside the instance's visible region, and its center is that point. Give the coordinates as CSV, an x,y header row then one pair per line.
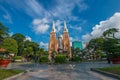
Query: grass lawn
x,y
7,73
115,69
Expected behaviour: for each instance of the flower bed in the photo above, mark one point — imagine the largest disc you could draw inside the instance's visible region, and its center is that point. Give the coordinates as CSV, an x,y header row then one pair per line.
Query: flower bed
x,y
4,62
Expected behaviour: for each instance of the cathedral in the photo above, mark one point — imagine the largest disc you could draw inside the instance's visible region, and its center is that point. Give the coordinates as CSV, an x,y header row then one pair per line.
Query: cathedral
x,y
59,44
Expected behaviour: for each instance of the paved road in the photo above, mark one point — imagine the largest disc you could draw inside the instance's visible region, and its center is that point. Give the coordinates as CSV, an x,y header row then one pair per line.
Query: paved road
x,y
79,71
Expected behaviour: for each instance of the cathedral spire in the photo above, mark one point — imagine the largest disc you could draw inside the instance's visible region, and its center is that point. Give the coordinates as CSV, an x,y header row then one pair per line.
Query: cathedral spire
x,y
53,27
65,27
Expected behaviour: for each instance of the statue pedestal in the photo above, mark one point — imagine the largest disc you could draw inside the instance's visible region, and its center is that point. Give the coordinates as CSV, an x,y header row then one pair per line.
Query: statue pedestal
x,y
60,51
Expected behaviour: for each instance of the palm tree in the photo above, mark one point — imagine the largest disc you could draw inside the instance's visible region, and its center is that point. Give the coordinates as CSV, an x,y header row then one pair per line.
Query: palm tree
x,y
110,31
113,31
106,33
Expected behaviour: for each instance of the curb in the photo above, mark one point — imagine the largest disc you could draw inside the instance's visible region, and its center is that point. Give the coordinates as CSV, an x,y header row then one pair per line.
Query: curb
x,y
14,76
106,73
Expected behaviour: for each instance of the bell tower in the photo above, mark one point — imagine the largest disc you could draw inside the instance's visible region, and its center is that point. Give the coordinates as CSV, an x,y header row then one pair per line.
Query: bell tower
x,y
66,41
60,44
53,43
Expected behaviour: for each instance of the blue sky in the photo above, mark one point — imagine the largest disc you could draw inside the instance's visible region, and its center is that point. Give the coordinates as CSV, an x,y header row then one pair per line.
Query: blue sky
x,y
85,19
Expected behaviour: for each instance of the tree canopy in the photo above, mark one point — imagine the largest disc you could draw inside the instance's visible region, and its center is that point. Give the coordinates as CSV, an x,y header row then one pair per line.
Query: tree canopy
x,y
110,31
3,31
18,37
10,45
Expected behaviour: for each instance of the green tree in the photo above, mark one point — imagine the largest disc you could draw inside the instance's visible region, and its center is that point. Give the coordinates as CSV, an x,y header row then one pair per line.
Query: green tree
x,y
31,47
96,44
110,31
3,31
10,45
18,37
41,52
106,33
35,46
109,44
20,41
28,50
113,31
75,50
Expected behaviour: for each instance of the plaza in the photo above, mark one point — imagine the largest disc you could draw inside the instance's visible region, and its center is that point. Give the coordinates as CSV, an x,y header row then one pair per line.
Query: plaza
x,y
80,71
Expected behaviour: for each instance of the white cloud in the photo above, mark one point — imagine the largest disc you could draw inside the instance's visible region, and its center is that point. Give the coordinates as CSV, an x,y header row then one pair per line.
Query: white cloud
x,y
58,25
8,18
60,8
71,39
74,39
40,25
76,28
28,38
112,22
81,5
70,43
86,37
64,7
84,44
44,45
6,15
31,7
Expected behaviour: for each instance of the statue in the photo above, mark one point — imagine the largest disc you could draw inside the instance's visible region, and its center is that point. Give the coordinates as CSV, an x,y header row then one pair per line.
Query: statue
x,y
60,44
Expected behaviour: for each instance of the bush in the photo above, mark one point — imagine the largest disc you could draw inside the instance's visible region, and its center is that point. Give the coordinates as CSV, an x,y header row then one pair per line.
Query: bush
x,y
44,59
76,59
18,57
60,58
103,55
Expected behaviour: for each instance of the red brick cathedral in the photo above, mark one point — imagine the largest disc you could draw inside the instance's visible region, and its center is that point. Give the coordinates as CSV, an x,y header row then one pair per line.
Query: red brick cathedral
x,y
59,44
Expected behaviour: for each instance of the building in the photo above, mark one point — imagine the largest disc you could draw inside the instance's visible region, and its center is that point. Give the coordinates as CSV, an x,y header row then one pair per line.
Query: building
x,y
77,44
60,44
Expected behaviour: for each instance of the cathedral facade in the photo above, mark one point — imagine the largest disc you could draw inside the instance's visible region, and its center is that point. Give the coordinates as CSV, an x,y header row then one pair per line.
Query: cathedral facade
x,y
59,44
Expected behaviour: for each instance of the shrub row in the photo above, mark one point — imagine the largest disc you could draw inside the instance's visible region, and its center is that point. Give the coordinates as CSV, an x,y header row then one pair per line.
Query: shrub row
x,y
76,59
60,58
43,59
